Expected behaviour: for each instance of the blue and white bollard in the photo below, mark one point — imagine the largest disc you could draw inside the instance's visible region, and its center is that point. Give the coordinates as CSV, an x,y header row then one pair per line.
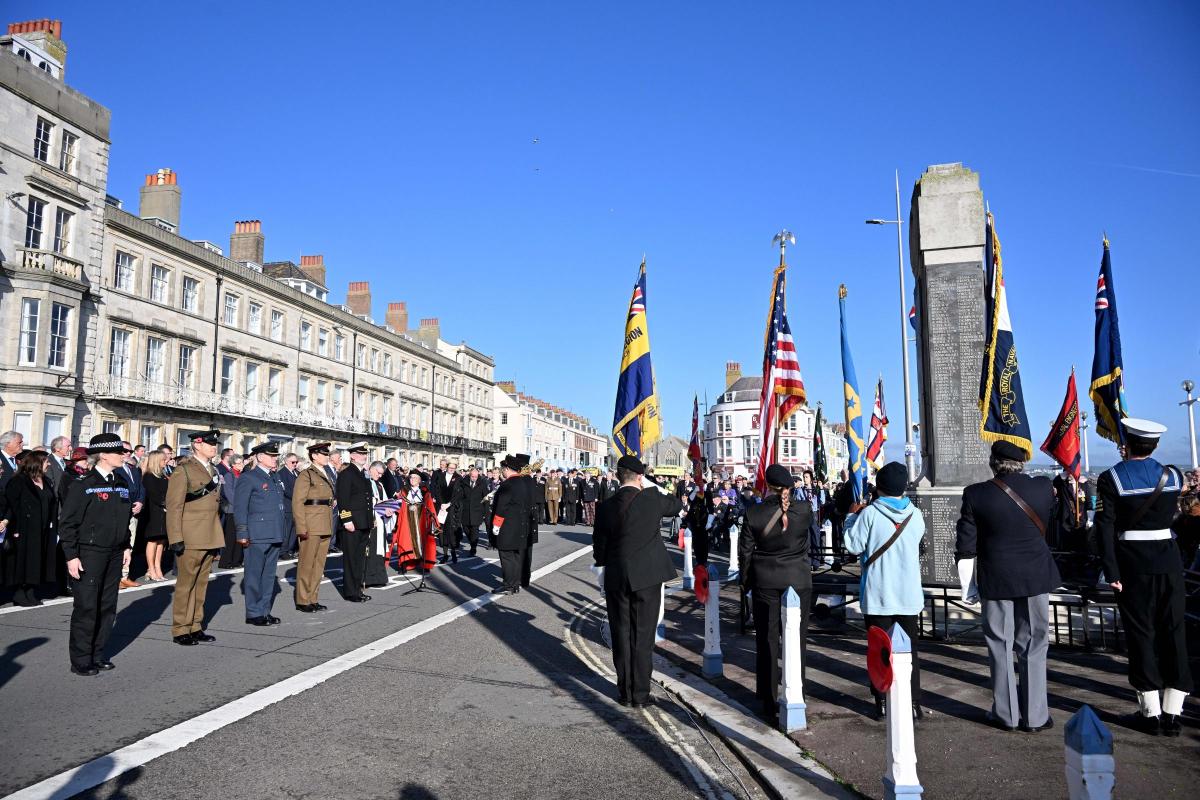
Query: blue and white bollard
x,y
900,780
660,631
1090,764
688,580
793,713
713,660
734,568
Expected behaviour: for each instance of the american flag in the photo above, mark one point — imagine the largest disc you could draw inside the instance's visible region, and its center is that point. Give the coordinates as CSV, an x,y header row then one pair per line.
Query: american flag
x,y
1101,294
781,377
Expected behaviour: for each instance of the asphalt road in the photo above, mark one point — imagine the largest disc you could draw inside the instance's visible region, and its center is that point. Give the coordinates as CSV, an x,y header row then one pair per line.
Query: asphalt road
x,y
509,699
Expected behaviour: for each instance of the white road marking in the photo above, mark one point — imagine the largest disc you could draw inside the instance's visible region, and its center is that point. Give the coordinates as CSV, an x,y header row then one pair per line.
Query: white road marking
x,y
58,601
484,562
105,768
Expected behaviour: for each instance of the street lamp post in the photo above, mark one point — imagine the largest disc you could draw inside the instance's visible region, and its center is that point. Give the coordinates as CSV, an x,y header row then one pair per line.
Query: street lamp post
x,y
1187,387
910,451
1083,429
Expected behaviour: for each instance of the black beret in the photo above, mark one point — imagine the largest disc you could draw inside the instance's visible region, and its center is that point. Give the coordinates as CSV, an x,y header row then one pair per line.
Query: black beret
x,y
630,463
778,475
892,480
1007,450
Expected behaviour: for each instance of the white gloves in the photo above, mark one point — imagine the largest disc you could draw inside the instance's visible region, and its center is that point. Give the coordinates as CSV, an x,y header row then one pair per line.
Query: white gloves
x,y
966,580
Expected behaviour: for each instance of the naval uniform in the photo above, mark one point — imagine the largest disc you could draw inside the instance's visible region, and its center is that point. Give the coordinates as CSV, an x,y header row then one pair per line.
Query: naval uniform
x,y
355,505
1142,555
95,529
259,512
193,505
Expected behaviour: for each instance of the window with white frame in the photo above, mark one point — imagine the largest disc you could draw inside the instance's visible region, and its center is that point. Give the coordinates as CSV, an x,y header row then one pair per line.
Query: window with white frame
x,y
274,384
322,387
387,364
62,231
52,427
123,271
424,378
150,436
387,409
27,348
339,347
726,446
156,359
60,335
360,357
360,397
114,426
23,424
251,380
118,353
254,318
322,342
160,283
403,377
302,392
191,294
35,210
187,361
68,152
374,360
231,308
41,140
228,374
277,326
306,336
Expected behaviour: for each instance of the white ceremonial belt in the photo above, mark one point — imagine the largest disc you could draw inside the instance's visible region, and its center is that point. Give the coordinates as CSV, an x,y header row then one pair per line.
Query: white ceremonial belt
x,y
1146,536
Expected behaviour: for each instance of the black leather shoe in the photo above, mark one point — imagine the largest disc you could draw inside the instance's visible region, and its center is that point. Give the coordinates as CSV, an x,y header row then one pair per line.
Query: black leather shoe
x,y
918,713
334,550
622,700
187,640
259,621
642,703
1151,726
307,609
503,590
273,620
1045,727
357,598
104,665
204,637
87,671
319,607
441,560
997,723
1170,725
473,548
453,556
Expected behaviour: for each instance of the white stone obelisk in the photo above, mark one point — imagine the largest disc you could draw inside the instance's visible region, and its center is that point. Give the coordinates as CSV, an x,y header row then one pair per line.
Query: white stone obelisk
x,y
713,659
793,713
900,780
1090,764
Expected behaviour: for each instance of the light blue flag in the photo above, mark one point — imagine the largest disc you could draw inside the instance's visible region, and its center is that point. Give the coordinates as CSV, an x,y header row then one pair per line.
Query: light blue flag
x,y
854,422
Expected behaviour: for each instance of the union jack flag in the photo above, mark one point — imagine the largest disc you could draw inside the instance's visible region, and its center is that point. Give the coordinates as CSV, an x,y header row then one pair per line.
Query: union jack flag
x,y
781,378
638,304
1101,294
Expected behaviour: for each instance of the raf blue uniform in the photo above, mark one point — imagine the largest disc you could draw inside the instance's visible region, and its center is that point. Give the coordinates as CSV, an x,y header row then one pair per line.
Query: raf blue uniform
x,y
258,510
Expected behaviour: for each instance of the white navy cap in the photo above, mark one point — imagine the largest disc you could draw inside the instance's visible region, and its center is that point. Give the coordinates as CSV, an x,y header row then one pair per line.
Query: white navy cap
x,y
1143,428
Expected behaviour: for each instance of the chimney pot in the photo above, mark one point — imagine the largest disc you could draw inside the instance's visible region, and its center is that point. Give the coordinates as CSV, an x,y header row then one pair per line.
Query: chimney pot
x,y
358,298
247,242
314,268
161,197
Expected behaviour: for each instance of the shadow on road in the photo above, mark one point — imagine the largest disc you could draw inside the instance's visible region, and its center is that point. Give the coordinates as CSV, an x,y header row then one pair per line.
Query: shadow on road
x,y
9,666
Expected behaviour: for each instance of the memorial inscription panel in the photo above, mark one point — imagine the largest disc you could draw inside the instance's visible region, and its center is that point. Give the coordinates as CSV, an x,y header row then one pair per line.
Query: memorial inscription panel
x,y
941,512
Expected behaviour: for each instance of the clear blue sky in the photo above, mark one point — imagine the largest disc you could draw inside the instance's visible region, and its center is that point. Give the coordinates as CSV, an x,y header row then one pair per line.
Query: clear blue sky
x,y
398,140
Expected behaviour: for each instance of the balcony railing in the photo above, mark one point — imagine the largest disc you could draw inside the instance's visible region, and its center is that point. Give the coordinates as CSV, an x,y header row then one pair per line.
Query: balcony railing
x,y
50,261
159,394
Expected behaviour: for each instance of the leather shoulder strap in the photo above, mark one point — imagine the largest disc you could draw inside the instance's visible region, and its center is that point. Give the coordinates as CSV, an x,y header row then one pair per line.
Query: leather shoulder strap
x,y
1016,498
900,526
773,521
1145,507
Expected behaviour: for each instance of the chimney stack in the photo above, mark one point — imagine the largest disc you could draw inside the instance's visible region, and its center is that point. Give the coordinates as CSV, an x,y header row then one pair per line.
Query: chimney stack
x,y
44,33
314,268
161,198
733,373
429,332
358,297
247,243
397,317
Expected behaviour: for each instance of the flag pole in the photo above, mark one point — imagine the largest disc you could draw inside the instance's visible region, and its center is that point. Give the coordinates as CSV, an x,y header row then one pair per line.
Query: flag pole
x,y
782,238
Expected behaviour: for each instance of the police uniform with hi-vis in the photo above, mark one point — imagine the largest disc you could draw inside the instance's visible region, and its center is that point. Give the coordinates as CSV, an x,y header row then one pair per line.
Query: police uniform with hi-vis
x,y
312,507
195,534
1137,501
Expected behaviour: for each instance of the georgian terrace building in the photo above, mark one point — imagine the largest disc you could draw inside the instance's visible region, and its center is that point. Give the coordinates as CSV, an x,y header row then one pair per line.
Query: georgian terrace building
x,y
116,322
556,437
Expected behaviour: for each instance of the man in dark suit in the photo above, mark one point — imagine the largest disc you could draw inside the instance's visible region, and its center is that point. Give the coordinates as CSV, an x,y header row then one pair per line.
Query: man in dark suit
x,y
570,498
132,474
60,451
468,500
355,511
627,544
11,445
1002,538
392,483
287,473
332,473
512,518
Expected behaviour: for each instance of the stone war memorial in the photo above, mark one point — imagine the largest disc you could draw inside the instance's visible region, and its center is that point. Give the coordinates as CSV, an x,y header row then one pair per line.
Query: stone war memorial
x,y
946,241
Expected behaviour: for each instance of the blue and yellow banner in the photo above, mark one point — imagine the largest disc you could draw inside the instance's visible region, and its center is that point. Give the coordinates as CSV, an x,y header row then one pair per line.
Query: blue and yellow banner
x,y
1001,401
636,423
854,422
1108,382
